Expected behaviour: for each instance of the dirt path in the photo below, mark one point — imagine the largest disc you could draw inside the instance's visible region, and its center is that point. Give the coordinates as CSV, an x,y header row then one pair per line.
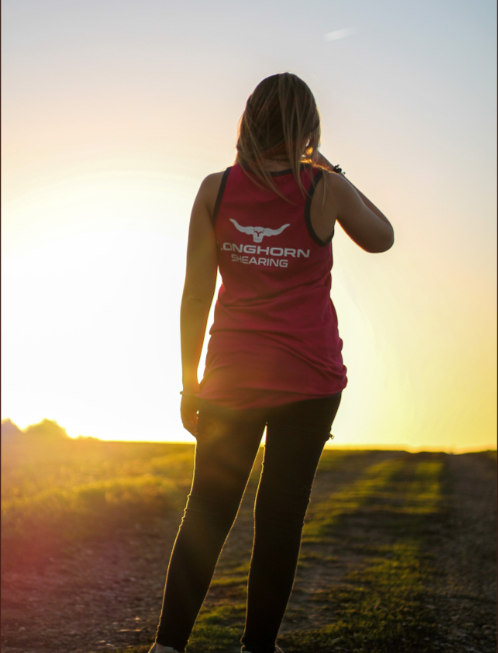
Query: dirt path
x,y
466,553
107,595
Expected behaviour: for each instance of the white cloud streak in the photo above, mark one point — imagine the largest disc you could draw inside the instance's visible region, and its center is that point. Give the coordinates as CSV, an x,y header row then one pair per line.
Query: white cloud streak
x,y
339,34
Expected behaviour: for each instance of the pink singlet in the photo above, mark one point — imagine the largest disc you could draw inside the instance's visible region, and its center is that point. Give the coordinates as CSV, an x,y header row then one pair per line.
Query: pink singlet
x,y
274,338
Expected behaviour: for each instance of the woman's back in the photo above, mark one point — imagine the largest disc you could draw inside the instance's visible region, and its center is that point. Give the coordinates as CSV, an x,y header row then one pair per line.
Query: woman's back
x,y
275,327
275,337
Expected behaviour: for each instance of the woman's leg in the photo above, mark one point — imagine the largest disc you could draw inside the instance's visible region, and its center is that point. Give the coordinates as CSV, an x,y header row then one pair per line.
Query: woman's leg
x,y
296,435
225,451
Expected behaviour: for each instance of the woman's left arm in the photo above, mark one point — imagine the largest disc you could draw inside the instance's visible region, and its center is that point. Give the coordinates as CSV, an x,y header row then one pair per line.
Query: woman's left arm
x,y
198,291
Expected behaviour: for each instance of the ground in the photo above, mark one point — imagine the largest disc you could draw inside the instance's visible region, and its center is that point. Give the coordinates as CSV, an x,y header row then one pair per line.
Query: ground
x,y
398,544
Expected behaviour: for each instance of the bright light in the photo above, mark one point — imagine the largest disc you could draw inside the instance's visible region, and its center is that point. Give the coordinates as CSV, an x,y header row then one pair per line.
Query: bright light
x,y
91,335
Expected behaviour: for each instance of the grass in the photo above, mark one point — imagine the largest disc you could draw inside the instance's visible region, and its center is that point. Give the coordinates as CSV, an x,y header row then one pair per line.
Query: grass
x,y
28,469
381,605
384,604
56,493
383,517
395,486
378,609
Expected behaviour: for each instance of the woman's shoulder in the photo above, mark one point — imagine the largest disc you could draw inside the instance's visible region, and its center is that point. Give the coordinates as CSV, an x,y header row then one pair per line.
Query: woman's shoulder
x,y
332,178
212,181
324,205
209,189
330,188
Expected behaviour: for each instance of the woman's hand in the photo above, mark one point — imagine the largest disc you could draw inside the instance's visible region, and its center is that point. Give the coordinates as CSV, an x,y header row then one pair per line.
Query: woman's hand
x,y
321,161
188,411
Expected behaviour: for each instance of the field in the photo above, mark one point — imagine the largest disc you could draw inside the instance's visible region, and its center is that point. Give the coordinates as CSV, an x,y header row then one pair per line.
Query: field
x,y
398,552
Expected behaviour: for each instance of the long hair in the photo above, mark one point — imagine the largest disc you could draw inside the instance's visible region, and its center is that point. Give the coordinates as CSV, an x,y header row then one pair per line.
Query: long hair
x,y
280,122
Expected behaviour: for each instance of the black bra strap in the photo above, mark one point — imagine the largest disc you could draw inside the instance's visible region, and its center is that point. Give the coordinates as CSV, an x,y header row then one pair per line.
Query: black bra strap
x,y
219,197
307,211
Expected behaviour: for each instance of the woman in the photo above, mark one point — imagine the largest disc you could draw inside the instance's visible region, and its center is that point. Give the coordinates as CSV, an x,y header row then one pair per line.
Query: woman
x,y
274,356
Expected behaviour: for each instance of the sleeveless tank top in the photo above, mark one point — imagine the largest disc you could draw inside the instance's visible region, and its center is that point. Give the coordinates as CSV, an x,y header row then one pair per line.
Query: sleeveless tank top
x,y
275,336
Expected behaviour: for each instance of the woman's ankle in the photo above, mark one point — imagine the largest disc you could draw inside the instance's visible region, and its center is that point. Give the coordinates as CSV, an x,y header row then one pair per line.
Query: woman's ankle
x,y
160,648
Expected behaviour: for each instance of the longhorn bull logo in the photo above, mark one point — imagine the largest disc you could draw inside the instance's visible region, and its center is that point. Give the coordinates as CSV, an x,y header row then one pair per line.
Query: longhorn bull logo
x,y
258,233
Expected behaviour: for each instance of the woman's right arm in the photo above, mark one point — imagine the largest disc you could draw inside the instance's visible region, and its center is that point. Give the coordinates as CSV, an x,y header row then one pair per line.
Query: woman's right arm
x,y
364,223
200,282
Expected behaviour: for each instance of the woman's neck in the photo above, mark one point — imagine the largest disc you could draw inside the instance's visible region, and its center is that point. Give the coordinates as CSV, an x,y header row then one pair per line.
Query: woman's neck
x,y
276,166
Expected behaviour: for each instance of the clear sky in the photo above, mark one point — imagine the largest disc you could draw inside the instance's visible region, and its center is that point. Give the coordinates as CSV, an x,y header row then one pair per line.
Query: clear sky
x,y
113,111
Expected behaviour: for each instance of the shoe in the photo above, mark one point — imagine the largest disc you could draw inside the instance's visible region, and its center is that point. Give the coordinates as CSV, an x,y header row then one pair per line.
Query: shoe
x,y
159,648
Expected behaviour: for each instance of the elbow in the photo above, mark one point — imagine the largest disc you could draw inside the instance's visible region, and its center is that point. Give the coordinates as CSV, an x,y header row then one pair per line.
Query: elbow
x,y
383,244
390,241
191,299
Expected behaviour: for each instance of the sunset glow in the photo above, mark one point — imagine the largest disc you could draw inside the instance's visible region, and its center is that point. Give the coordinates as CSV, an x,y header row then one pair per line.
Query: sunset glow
x,y
112,116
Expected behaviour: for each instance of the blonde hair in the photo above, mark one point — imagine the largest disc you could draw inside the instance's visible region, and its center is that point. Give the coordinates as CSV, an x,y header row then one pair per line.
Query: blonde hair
x,y
280,123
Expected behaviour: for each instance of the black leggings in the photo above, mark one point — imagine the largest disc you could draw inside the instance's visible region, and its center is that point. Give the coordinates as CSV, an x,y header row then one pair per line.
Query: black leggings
x,y
227,444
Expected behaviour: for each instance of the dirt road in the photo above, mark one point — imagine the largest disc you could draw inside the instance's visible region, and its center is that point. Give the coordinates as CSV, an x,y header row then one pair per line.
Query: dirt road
x,y
107,595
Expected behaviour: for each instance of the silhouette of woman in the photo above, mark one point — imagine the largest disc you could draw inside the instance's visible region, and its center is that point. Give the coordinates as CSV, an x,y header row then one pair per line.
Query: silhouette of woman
x,y
274,356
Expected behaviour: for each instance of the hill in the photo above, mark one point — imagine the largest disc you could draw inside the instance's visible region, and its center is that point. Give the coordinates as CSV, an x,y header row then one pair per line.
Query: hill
x,y
9,430
45,430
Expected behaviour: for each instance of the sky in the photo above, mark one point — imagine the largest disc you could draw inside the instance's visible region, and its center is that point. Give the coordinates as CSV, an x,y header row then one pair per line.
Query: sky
x,y
113,111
